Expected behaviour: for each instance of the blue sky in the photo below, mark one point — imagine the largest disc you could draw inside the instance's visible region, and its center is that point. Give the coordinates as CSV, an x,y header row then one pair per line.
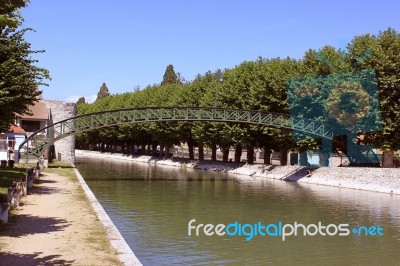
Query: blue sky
x,y
127,43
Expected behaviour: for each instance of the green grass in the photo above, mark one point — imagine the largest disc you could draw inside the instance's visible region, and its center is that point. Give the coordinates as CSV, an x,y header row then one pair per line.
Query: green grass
x,y
10,174
7,176
64,169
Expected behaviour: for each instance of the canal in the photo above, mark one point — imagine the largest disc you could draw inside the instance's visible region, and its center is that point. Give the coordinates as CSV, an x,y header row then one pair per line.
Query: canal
x,y
152,206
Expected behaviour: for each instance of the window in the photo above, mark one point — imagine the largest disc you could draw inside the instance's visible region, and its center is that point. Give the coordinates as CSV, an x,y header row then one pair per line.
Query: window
x,y
30,126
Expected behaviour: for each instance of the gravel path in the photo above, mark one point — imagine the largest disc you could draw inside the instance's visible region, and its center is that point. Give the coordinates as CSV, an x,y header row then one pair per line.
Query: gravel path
x,y
55,226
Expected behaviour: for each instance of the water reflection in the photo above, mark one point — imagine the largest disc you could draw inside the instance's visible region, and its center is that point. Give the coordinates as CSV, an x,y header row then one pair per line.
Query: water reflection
x,y
151,206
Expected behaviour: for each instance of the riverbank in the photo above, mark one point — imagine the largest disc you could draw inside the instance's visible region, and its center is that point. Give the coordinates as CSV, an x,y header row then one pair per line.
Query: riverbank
x,y
386,180
56,225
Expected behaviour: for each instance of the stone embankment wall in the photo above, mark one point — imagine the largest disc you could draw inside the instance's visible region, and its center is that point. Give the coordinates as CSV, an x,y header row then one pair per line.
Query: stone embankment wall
x,y
384,180
64,148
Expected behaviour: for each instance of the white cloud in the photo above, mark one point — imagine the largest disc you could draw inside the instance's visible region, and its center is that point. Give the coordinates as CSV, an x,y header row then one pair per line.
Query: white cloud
x,y
75,98
91,98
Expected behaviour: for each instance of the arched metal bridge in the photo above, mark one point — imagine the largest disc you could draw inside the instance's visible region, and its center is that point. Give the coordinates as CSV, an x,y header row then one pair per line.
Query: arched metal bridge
x,y
40,140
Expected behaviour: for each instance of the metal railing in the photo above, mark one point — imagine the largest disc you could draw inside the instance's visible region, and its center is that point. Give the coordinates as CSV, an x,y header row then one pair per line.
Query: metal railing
x,y
39,141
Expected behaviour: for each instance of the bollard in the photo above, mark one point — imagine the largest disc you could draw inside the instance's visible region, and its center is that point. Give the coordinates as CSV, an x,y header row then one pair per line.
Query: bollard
x,y
16,198
11,163
30,179
14,194
9,194
23,188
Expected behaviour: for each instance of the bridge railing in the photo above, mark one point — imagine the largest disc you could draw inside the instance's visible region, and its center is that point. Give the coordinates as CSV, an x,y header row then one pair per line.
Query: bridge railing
x,y
91,121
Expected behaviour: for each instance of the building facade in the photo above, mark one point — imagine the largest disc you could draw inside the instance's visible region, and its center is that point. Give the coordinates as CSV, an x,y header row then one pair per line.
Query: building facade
x,y
41,114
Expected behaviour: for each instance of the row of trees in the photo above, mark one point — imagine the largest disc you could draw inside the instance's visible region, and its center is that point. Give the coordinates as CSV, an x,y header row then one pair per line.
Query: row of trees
x,y
19,76
257,85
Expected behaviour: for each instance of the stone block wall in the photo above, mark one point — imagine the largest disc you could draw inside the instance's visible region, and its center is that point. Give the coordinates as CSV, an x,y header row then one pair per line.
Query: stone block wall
x,y
58,110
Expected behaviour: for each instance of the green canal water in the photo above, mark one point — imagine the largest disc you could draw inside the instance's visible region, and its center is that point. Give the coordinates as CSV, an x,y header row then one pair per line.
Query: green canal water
x,y
152,206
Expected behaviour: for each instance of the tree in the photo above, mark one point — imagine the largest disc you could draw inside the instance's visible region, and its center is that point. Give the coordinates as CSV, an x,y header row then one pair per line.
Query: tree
x,y
202,92
169,76
180,78
81,100
103,92
257,85
384,58
19,76
136,88
9,14
265,84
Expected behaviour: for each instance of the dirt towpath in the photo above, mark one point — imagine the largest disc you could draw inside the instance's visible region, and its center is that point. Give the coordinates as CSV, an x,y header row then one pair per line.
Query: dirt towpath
x,y
55,226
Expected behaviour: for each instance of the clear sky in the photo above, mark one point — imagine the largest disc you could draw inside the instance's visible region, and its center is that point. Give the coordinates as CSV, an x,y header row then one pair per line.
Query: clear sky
x,y
127,43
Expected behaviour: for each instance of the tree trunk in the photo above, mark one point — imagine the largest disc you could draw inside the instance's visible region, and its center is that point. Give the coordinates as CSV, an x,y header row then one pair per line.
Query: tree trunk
x,y
154,148
125,148
238,153
225,154
283,157
143,150
191,151
387,159
148,149
201,152
267,156
162,150
250,154
213,152
166,154
112,147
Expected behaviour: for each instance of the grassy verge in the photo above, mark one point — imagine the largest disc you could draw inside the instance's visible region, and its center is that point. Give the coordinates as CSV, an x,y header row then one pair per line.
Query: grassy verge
x,y
64,169
7,176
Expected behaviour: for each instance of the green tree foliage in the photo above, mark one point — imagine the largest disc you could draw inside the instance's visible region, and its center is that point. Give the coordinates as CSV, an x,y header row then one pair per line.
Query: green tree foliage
x,y
19,75
9,14
103,92
384,58
81,100
169,76
259,85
